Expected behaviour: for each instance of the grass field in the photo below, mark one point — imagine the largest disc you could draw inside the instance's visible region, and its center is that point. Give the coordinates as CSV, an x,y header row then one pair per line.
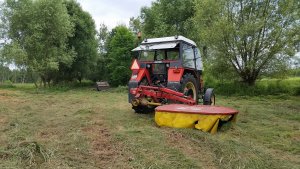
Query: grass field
x,y
82,128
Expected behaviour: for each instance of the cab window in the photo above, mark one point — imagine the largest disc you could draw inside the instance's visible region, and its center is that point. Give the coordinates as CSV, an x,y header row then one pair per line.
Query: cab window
x,y
199,64
160,55
173,55
188,56
146,56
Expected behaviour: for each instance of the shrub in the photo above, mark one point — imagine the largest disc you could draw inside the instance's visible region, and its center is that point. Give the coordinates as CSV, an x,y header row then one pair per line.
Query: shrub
x,y
290,86
7,84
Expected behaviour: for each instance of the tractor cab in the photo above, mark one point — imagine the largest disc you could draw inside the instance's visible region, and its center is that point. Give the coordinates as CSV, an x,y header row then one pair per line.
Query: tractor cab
x,y
166,59
169,62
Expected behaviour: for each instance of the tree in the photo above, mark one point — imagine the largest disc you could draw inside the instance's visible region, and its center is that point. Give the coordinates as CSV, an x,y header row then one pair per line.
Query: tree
x,y
252,37
83,42
14,53
41,29
100,71
4,24
167,18
102,37
3,28
135,25
120,43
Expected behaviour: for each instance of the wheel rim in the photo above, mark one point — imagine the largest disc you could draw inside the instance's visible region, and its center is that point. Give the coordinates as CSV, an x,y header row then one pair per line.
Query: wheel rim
x,y
190,90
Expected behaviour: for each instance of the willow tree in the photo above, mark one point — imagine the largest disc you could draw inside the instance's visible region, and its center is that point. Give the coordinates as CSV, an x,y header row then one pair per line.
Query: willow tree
x,y
251,37
83,42
41,29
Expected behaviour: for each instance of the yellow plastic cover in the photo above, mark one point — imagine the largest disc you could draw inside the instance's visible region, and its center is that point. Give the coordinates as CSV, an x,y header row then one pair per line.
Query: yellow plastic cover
x,y
207,123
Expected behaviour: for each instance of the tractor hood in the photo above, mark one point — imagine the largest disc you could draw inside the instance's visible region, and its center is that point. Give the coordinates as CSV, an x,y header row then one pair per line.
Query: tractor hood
x,y
156,46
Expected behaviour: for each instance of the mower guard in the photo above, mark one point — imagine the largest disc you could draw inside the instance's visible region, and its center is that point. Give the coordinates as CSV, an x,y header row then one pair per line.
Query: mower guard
x,y
203,117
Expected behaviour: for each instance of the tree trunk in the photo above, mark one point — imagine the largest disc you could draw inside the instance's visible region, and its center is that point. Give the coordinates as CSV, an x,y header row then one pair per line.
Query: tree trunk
x,y
249,80
43,81
23,77
35,84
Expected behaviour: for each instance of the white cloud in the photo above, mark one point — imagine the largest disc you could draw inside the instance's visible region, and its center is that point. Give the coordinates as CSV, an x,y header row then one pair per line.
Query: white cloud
x,y
113,12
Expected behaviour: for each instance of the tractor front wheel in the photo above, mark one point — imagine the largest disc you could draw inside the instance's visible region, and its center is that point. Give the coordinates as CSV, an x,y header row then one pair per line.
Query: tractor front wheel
x,y
142,109
209,97
189,86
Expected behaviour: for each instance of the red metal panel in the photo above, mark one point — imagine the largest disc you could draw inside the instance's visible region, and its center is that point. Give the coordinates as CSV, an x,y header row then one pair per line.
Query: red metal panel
x,y
141,74
175,74
196,109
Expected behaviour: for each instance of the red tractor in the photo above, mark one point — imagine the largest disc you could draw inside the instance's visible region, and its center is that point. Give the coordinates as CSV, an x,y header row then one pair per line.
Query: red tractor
x,y
167,70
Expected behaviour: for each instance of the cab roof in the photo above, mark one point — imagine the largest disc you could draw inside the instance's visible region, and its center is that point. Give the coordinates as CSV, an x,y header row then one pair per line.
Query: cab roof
x,y
162,43
169,39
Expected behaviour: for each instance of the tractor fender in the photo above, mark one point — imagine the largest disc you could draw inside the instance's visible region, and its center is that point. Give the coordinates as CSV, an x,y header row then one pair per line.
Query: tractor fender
x,y
131,84
135,79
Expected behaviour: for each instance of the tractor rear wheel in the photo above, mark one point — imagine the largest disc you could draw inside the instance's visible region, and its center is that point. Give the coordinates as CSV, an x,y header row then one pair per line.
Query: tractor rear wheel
x,y
189,86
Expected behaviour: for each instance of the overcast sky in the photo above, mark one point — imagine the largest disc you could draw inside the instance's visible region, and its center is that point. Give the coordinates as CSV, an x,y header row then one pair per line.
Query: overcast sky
x,y
113,12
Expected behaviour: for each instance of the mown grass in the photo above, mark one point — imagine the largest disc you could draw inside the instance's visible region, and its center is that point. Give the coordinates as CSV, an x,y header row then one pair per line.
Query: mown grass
x,y
83,128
